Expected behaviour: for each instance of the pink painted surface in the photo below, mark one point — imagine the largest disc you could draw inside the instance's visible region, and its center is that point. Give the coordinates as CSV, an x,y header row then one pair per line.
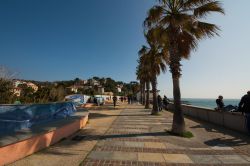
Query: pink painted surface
x,y
19,150
88,105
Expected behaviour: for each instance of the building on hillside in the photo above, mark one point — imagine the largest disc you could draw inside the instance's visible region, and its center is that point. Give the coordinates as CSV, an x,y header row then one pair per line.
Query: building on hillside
x,y
81,82
17,91
75,88
85,87
119,88
33,86
100,90
16,83
94,82
84,82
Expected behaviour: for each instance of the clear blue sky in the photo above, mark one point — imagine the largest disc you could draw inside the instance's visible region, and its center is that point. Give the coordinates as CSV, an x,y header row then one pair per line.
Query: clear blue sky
x,y
64,39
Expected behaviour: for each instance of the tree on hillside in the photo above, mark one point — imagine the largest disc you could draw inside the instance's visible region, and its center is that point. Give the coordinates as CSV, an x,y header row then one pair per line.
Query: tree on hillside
x,y
6,91
180,27
42,95
27,94
61,93
6,85
110,86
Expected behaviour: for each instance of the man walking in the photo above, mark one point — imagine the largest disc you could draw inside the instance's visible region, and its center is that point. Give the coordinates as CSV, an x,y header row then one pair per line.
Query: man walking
x,y
159,100
244,107
114,100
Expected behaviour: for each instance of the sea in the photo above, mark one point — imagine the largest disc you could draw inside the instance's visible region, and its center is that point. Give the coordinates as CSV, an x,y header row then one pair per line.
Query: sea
x,y
209,103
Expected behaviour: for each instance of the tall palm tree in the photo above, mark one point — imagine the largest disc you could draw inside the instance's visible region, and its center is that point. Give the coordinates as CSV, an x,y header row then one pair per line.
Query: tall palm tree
x,y
147,95
140,77
181,22
143,75
155,61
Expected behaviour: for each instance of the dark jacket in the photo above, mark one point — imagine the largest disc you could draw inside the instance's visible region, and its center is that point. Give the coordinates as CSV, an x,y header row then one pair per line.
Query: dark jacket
x,y
244,105
114,98
220,103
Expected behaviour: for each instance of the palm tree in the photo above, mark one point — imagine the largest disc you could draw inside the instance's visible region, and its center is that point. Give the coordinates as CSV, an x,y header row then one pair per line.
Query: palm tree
x,y
147,95
155,61
143,75
140,77
182,27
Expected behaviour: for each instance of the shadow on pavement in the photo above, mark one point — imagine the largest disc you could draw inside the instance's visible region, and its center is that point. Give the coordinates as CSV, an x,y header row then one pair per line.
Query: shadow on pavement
x,y
99,115
228,142
104,137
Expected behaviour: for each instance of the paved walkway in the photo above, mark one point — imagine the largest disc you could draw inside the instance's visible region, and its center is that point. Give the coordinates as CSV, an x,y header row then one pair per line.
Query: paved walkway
x,y
137,138
129,135
73,150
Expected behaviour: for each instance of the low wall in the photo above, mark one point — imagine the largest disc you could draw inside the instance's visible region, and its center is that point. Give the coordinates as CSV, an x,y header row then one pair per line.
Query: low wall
x,y
17,117
234,121
34,141
88,105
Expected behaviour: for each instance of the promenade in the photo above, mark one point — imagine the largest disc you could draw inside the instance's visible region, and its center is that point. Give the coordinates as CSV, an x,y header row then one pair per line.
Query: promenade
x,y
129,135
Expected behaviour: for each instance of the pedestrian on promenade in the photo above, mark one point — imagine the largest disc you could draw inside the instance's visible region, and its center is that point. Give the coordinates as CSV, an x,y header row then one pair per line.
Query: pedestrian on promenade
x,y
159,99
129,99
220,103
165,102
244,107
114,101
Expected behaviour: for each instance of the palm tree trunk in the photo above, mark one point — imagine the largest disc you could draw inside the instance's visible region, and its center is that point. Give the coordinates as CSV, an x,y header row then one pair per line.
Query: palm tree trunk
x,y
178,125
143,93
147,95
155,109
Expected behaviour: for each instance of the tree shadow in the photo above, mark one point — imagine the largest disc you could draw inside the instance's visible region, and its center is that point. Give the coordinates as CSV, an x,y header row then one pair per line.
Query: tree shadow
x,y
208,129
100,115
89,137
237,138
227,142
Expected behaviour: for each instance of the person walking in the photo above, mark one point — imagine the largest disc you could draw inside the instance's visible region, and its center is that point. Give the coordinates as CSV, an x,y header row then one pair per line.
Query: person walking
x,y
165,102
129,100
114,101
244,107
159,99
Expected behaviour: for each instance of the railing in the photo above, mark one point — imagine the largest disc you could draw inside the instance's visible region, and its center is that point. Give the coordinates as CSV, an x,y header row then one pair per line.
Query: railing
x,y
234,121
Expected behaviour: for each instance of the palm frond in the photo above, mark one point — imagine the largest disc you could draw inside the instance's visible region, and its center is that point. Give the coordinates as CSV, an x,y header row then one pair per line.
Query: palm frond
x,y
193,3
154,16
206,9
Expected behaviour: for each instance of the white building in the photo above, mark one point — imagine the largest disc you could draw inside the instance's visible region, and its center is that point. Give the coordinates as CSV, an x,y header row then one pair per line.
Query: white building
x,y
119,88
75,88
17,90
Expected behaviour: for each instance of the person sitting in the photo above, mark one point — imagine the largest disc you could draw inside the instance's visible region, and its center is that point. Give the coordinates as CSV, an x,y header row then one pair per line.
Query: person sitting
x,y
221,106
220,103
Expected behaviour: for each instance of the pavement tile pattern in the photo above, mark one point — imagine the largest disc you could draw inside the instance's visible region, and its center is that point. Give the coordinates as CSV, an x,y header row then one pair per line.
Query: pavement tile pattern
x,y
136,138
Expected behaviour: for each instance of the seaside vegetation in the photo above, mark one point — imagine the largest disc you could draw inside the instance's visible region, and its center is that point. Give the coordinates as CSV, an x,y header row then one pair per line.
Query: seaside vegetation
x,y
176,27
